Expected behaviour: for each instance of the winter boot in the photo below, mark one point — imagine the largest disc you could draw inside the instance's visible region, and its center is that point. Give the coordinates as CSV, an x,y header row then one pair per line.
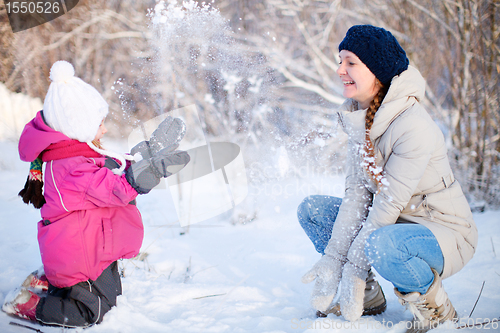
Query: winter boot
x,y
22,303
37,282
374,301
430,309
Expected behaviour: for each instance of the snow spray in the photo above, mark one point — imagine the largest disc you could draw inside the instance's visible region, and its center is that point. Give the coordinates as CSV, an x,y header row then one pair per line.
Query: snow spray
x,y
192,43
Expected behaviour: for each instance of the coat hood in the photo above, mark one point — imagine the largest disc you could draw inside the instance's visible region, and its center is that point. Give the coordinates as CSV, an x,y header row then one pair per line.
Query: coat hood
x,y
405,90
36,137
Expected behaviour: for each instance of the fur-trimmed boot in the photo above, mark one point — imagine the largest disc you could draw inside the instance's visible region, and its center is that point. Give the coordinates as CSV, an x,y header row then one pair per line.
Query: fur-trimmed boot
x,y
373,303
430,309
21,302
37,282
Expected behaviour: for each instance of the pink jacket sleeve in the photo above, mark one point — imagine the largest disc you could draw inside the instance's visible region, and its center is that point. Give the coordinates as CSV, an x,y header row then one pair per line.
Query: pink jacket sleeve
x,y
80,183
107,189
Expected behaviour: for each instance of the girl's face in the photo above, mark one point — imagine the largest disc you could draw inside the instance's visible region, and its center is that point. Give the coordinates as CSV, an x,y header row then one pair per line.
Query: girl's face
x,y
101,131
359,82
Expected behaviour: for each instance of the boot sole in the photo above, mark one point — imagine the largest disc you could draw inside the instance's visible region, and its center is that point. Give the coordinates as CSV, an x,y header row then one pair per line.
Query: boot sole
x,y
366,312
375,310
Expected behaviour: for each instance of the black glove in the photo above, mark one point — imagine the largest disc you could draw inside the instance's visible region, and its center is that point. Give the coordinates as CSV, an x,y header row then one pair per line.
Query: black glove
x,y
167,136
110,163
146,174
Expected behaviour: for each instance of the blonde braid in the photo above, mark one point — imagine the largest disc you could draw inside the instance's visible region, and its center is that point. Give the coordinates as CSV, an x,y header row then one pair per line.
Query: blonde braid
x,y
98,144
368,153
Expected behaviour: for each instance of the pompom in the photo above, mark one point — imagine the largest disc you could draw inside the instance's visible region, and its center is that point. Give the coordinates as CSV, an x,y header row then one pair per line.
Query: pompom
x,y
61,71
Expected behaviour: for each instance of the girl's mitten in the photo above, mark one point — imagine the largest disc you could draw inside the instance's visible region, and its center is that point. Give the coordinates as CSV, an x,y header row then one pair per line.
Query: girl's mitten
x,y
146,174
168,135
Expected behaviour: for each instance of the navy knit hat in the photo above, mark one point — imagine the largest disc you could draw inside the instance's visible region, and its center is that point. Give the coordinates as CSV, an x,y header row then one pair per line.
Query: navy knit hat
x,y
378,49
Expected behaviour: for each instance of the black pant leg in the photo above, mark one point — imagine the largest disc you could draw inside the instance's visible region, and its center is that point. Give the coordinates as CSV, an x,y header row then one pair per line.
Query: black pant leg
x,y
74,306
83,304
108,284
117,278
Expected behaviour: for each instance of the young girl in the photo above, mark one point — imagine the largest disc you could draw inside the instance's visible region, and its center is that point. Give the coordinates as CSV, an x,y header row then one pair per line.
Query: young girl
x,y
403,212
89,217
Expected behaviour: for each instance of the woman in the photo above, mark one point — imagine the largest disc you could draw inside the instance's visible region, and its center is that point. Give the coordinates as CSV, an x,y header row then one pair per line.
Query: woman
x,y
403,212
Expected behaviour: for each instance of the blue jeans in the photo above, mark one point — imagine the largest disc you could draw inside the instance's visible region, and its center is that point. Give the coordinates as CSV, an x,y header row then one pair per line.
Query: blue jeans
x,y
402,253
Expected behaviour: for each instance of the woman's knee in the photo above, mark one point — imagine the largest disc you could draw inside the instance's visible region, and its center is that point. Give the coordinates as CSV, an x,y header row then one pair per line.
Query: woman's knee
x,y
304,211
381,244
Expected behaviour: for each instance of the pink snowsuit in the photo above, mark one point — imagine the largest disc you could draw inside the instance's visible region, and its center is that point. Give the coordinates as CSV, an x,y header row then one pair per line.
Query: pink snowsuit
x,y
87,221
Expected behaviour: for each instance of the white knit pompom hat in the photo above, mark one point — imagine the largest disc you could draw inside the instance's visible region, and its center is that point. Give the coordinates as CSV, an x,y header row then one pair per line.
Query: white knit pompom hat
x,y
71,106
75,108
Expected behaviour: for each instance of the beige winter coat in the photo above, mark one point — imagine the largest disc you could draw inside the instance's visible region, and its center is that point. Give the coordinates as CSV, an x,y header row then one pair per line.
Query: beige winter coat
x,y
420,186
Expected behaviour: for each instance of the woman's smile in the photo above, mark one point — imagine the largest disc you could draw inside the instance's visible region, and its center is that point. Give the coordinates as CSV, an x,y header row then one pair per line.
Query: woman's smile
x,y
359,82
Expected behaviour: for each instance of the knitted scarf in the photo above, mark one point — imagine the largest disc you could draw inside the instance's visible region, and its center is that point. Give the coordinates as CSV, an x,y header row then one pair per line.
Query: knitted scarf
x,y
67,148
33,189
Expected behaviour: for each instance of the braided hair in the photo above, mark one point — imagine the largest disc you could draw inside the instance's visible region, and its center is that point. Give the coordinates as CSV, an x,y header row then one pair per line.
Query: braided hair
x,y
370,44
368,152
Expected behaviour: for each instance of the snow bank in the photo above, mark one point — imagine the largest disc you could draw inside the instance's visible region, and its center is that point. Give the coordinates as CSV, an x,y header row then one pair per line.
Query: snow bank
x,y
220,277
15,111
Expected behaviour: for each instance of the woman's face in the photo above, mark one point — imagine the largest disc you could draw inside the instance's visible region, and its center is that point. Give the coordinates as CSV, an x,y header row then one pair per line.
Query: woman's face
x,y
359,82
101,131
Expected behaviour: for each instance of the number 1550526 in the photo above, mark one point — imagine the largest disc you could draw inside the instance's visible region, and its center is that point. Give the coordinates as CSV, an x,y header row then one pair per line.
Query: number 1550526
x,y
31,7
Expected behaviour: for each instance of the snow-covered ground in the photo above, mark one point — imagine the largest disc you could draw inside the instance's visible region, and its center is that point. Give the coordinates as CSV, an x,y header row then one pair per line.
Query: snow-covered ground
x,y
221,277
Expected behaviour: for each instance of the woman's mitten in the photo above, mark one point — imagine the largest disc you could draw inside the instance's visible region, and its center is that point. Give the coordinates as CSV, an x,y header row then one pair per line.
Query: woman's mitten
x,y
168,135
327,272
354,276
352,291
146,174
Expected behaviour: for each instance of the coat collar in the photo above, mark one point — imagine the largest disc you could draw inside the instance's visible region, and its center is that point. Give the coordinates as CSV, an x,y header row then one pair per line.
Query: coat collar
x,y
405,90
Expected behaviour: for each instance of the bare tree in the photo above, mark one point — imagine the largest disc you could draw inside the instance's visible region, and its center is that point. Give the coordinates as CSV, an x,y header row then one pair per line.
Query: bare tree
x,y
264,71
105,41
455,44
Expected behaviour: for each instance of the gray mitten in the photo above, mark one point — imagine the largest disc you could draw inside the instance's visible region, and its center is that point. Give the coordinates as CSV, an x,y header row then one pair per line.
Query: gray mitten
x,y
167,136
352,291
327,272
146,174
354,276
